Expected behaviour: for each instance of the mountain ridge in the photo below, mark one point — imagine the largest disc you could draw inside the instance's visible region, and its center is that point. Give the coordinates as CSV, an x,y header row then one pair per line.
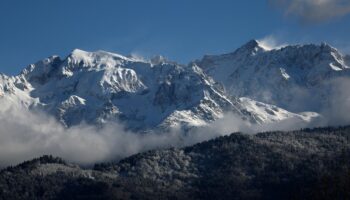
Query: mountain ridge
x,y
97,87
271,76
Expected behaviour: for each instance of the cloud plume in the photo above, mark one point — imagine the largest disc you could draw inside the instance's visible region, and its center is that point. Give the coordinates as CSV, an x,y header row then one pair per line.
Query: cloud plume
x,y
313,11
271,42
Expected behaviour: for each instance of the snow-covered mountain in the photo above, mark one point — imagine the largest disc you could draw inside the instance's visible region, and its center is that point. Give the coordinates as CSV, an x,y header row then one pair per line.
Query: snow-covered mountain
x,y
96,87
295,78
258,84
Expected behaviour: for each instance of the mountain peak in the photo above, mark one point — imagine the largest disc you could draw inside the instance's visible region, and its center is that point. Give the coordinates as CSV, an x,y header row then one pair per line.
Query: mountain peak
x,y
85,56
252,43
77,52
326,47
252,48
42,68
78,55
158,59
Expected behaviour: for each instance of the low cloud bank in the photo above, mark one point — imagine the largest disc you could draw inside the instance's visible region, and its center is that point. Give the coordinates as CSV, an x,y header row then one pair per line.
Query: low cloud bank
x,y
24,134
338,111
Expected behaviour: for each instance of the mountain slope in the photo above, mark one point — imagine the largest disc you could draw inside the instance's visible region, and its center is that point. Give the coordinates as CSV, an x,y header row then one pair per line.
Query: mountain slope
x,y
307,164
296,78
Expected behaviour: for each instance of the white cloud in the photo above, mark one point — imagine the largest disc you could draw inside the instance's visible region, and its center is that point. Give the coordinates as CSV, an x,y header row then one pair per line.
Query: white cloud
x,y
337,113
311,11
271,42
24,134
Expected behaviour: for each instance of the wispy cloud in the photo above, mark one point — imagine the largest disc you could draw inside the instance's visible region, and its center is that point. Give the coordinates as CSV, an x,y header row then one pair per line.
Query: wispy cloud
x,y
271,42
313,11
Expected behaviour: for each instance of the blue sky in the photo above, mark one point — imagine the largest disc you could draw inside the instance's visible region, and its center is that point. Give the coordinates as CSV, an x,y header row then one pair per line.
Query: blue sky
x,y
181,30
